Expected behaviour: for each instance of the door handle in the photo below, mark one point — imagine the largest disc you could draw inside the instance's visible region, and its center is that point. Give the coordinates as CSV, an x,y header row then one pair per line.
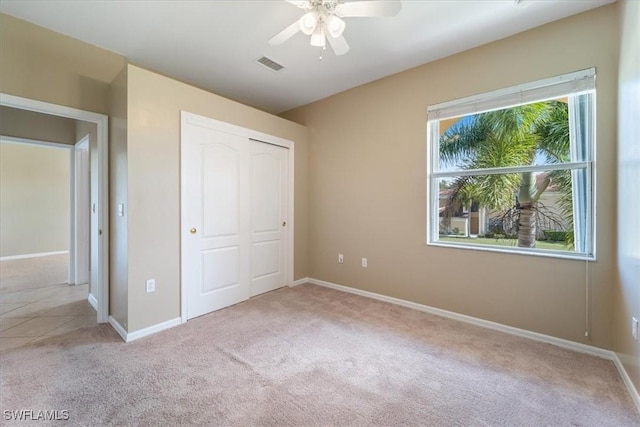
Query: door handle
x,y
284,223
193,231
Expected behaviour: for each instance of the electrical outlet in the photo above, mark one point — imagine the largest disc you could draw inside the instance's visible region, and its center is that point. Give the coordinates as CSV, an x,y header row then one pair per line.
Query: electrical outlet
x,y
364,262
634,327
151,285
340,259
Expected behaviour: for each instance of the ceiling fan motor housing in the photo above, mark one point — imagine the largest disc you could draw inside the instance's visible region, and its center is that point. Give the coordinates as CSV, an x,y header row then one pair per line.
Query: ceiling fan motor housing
x,y
323,20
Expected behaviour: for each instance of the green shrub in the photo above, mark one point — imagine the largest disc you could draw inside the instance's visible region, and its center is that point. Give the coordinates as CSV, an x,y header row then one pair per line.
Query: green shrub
x,y
557,236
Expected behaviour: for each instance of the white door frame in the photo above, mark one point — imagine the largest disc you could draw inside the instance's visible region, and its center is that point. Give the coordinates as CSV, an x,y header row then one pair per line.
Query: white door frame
x,y
191,118
102,122
80,216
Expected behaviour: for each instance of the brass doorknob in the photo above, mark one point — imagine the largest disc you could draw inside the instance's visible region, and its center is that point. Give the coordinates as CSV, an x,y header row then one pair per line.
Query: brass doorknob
x,y
193,231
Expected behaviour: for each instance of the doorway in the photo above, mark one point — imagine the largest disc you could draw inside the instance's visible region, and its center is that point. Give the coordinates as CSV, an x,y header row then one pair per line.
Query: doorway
x,y
35,201
99,180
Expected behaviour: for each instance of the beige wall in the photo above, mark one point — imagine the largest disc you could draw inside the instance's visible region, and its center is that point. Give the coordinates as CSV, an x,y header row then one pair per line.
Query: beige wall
x,y
33,174
37,126
627,291
34,199
118,243
153,174
367,183
41,64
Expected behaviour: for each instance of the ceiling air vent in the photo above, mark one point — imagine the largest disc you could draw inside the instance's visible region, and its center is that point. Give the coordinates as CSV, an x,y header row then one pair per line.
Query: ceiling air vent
x,y
270,64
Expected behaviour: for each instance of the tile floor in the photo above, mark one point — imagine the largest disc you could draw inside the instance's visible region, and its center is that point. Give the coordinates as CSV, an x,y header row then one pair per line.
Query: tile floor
x,y
34,314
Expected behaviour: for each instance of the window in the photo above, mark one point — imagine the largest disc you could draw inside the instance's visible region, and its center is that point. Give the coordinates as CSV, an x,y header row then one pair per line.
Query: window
x,y
512,170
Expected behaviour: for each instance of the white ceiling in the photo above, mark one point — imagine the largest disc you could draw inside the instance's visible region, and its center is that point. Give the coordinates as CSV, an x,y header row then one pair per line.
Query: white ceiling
x,y
214,44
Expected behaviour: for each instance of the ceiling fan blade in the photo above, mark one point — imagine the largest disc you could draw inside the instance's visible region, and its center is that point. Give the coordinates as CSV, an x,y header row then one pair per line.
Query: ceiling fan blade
x,y
339,45
285,34
367,8
302,4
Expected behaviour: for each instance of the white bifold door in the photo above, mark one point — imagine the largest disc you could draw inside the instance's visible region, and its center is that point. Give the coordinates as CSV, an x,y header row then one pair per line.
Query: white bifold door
x,y
234,215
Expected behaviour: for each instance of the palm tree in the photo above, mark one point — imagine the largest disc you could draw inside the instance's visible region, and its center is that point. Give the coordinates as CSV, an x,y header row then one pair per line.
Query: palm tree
x,y
555,143
503,138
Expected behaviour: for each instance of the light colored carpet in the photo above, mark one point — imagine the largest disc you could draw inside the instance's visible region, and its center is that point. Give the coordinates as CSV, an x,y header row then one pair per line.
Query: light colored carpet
x,y
314,356
31,273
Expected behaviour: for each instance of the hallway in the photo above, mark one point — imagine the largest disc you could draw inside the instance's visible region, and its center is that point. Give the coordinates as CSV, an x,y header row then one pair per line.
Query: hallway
x,y
38,309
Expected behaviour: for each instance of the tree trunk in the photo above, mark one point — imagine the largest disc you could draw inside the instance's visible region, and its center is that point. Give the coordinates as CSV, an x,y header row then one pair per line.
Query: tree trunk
x,y
527,226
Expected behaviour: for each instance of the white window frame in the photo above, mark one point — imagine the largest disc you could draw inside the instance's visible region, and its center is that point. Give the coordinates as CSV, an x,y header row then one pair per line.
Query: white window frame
x,y
576,83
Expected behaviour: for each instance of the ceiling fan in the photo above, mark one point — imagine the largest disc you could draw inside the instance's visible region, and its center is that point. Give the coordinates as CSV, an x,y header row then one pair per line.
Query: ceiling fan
x,y
323,20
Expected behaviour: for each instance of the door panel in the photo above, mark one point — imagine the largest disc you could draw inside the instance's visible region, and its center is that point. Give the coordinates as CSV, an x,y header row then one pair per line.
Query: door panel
x,y
266,169
220,269
265,258
268,217
221,169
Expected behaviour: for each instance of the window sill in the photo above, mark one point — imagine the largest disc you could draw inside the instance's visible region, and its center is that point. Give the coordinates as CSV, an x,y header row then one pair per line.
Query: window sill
x,y
517,251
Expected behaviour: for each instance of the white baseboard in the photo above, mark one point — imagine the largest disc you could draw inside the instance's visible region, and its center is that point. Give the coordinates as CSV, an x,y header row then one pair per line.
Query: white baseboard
x,y
581,348
299,282
93,301
118,327
153,329
627,381
132,336
24,256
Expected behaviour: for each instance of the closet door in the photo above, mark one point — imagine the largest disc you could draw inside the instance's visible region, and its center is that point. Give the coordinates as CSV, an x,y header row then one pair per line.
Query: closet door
x,y
234,224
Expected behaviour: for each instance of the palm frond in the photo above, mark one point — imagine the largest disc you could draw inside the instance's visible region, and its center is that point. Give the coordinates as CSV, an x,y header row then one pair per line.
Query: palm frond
x,y
502,152
460,142
515,122
497,191
553,132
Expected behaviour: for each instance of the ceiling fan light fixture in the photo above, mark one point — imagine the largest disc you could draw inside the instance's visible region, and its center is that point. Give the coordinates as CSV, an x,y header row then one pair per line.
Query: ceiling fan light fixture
x,y
323,20
309,22
318,38
335,26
